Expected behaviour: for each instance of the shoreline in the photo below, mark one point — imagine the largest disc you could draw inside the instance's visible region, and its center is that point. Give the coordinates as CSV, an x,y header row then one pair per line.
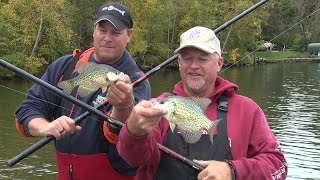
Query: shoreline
x,y
256,61
286,60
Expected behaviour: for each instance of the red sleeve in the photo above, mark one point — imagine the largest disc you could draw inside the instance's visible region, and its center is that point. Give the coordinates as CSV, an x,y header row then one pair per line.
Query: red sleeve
x,y
19,127
144,150
264,160
108,134
112,137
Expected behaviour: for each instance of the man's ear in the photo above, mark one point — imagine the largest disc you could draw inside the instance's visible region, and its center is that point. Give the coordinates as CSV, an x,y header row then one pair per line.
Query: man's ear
x,y
179,59
220,63
93,29
129,32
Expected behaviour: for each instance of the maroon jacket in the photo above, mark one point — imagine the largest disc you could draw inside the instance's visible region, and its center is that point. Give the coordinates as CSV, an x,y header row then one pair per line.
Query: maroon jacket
x,y
255,150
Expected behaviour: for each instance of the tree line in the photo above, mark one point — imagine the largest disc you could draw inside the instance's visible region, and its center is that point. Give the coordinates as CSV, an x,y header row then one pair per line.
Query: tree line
x,y
34,33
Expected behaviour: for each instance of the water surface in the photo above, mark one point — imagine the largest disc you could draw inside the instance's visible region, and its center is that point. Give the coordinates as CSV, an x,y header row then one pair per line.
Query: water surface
x,y
288,93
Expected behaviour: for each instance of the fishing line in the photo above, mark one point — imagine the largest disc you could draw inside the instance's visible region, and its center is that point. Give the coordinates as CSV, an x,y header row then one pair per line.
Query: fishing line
x,y
48,139
271,40
20,92
225,41
6,87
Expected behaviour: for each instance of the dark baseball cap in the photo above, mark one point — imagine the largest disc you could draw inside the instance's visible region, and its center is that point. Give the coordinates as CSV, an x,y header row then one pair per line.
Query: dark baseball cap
x,y
117,14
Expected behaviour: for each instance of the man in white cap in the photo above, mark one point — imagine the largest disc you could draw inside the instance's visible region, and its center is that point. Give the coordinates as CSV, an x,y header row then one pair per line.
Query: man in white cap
x,y
243,146
89,153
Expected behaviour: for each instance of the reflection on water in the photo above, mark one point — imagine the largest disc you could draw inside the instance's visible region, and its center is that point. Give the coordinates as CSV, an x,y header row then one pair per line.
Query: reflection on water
x,y
288,93
40,165
291,101
295,120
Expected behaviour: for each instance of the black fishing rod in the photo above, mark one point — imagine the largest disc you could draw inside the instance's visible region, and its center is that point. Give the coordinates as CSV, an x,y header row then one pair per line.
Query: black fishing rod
x,y
48,139
57,91
11,162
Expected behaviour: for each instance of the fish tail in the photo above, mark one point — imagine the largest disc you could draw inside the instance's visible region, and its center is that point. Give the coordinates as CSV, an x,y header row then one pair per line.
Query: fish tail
x,y
213,124
66,86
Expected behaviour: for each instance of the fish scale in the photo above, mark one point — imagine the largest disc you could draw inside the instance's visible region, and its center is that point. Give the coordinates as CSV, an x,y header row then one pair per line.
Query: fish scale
x,y
91,77
187,115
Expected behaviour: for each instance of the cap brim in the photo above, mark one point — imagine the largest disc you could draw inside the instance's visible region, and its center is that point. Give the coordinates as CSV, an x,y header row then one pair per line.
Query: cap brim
x,y
202,47
113,20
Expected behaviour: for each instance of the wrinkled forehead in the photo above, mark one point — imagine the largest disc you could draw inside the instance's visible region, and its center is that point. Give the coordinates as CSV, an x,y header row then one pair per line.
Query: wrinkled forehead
x,y
192,51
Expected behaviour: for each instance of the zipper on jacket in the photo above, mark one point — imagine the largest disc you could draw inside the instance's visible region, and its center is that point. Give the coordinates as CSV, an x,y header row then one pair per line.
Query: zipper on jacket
x,y
70,172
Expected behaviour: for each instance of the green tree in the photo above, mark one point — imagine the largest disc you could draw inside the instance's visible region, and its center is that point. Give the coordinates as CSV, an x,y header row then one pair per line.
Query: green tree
x,y
282,17
33,33
159,23
82,14
38,32
306,11
242,37
293,24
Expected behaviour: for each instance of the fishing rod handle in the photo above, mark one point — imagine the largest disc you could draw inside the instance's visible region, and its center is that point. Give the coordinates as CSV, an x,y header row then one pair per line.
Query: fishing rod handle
x,y
27,152
184,160
192,164
11,162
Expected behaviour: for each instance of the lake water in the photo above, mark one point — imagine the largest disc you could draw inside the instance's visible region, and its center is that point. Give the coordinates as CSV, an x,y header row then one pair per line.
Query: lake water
x,y
288,93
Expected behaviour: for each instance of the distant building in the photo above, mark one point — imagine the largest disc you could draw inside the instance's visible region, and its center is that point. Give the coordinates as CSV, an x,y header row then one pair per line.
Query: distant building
x,y
268,45
314,49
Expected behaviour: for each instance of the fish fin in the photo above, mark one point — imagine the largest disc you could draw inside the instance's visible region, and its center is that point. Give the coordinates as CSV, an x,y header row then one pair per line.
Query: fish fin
x,y
172,126
82,66
213,124
191,137
104,89
202,102
84,91
66,86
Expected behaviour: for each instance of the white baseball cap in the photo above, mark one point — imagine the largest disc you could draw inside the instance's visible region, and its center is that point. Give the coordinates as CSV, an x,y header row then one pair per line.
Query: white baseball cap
x,y
201,38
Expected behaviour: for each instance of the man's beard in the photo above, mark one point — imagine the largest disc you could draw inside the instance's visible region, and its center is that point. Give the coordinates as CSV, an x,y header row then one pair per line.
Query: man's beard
x,y
195,86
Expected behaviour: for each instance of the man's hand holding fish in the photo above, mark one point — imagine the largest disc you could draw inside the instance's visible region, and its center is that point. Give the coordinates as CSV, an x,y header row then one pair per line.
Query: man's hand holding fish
x,y
120,95
144,119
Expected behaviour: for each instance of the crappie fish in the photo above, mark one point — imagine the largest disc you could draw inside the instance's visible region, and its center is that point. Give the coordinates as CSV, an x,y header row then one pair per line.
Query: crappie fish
x,y
91,77
187,115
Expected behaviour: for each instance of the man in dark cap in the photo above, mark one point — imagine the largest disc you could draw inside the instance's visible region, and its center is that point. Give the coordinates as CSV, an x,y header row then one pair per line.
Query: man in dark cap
x,y
117,14
87,151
